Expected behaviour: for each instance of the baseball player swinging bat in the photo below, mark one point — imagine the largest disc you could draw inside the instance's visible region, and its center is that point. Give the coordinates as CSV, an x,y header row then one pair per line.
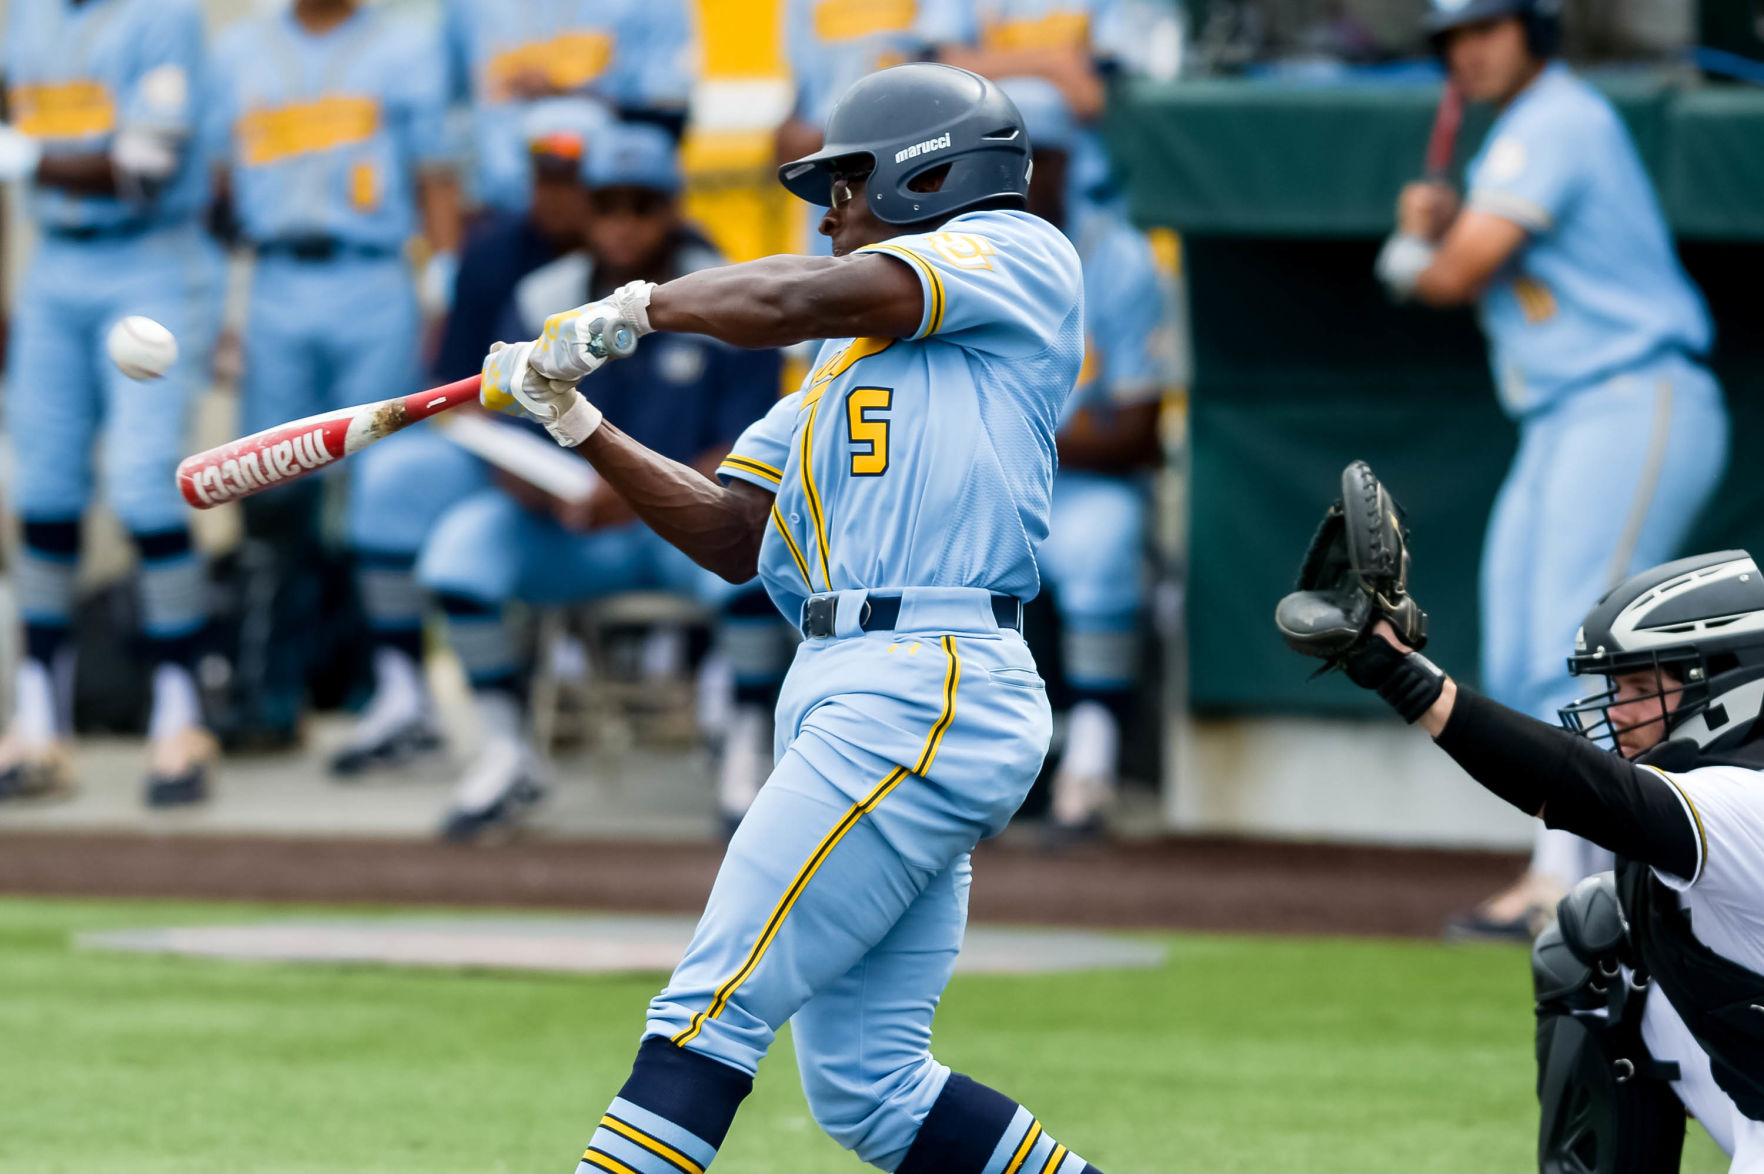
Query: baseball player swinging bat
x,y
290,451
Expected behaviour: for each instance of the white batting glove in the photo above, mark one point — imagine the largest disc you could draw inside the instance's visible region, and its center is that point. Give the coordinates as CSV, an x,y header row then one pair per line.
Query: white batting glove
x,y
1401,262
510,382
19,154
577,343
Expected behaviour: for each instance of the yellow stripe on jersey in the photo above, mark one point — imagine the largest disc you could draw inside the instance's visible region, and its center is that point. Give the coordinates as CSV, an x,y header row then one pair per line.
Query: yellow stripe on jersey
x,y
1056,30
851,20
1054,1160
1696,818
654,1145
933,283
816,514
952,676
1028,1143
795,550
62,110
757,468
270,134
567,61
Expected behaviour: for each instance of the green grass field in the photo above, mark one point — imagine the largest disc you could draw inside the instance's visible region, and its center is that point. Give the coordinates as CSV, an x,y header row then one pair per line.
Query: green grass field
x,y
1241,1054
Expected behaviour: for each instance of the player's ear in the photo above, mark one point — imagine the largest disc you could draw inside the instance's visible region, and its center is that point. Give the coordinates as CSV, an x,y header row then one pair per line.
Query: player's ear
x,y
929,181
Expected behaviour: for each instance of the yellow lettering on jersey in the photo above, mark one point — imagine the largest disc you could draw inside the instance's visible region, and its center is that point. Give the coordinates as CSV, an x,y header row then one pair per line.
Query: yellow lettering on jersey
x,y
839,364
1056,30
964,250
850,20
567,61
269,134
1535,299
868,433
62,110
364,187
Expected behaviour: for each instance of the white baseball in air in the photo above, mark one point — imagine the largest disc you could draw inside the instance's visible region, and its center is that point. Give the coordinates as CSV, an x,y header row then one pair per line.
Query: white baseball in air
x,y
141,348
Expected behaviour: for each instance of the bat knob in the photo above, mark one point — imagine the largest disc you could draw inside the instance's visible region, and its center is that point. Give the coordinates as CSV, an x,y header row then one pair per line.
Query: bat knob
x,y
614,338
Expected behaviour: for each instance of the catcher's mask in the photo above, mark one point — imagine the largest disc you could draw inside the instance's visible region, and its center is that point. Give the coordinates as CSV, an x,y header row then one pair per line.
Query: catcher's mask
x,y
1695,629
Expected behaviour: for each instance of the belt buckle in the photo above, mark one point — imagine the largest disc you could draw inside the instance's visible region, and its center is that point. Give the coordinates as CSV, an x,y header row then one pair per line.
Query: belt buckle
x,y
818,615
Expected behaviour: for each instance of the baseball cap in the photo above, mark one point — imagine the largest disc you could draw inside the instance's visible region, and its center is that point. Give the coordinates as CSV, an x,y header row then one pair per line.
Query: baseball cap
x,y
1047,116
562,128
634,155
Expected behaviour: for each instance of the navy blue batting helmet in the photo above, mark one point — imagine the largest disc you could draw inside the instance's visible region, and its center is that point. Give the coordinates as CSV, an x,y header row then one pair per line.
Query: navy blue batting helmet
x,y
1542,19
910,119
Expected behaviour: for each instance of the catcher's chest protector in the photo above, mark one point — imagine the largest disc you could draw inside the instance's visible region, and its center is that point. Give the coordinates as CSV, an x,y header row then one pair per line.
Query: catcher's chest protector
x,y
1720,1001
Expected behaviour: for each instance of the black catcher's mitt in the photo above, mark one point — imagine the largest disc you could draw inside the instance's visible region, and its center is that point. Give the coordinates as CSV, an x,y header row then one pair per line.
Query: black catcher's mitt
x,y
1355,574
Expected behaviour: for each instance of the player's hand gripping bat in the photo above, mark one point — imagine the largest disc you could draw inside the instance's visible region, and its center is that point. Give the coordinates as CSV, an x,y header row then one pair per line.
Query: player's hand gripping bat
x,y
290,451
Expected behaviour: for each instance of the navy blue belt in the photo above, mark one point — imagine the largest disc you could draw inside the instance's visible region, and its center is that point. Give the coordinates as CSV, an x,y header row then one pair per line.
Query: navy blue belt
x,y
121,230
321,248
882,612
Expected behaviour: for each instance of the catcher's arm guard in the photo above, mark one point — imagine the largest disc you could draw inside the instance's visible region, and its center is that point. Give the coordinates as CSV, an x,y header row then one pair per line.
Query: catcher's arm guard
x,y
1356,573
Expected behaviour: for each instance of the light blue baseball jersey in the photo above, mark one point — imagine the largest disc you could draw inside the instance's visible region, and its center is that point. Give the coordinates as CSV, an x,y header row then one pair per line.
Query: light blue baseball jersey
x,y
632,54
928,461
1127,346
832,43
324,135
77,73
1598,288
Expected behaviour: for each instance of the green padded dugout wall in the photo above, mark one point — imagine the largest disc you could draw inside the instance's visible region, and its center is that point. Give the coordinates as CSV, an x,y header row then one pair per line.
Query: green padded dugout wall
x,y
1301,363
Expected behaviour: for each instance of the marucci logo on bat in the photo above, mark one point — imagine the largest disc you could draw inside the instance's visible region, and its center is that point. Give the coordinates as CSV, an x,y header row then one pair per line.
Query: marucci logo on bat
x,y
251,471
940,143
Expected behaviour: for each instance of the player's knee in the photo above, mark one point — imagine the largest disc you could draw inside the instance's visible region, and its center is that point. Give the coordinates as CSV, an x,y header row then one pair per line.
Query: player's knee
x,y
872,1114
464,553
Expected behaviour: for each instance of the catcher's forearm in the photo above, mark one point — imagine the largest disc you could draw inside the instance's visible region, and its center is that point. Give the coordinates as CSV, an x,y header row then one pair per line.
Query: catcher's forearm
x,y
718,526
1571,782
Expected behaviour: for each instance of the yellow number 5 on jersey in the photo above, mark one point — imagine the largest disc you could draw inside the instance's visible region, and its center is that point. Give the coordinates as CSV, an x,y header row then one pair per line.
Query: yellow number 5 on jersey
x,y
867,429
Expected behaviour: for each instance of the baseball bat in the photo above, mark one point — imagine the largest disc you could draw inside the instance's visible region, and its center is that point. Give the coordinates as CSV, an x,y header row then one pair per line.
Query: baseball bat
x,y
1443,140
290,451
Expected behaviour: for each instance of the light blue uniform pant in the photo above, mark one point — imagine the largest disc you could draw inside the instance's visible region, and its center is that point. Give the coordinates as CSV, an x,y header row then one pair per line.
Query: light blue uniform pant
x,y
1605,485
331,334
65,398
1093,560
842,901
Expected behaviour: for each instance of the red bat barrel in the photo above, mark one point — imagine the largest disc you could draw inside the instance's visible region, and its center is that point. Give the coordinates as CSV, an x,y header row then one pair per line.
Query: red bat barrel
x,y
290,451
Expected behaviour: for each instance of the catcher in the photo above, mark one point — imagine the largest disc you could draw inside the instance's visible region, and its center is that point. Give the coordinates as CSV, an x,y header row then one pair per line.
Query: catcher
x,y
1661,768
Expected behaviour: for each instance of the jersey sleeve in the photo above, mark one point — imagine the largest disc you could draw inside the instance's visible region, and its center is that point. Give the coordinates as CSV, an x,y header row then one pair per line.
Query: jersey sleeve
x,y
764,446
163,87
1725,806
421,99
992,282
1531,172
1128,312
657,51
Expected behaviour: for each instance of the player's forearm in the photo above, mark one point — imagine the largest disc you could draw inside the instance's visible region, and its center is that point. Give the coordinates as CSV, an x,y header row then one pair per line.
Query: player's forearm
x,y
783,300
1571,782
86,175
439,199
1117,441
717,526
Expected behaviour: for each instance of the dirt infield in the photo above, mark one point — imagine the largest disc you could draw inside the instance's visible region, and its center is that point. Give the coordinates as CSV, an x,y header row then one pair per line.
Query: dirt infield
x,y
1213,884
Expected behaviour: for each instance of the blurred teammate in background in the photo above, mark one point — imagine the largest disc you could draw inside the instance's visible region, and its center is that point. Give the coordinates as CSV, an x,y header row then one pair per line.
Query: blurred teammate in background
x,y
507,248
829,44
636,57
327,119
685,395
100,98
1596,337
1093,558
1076,45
